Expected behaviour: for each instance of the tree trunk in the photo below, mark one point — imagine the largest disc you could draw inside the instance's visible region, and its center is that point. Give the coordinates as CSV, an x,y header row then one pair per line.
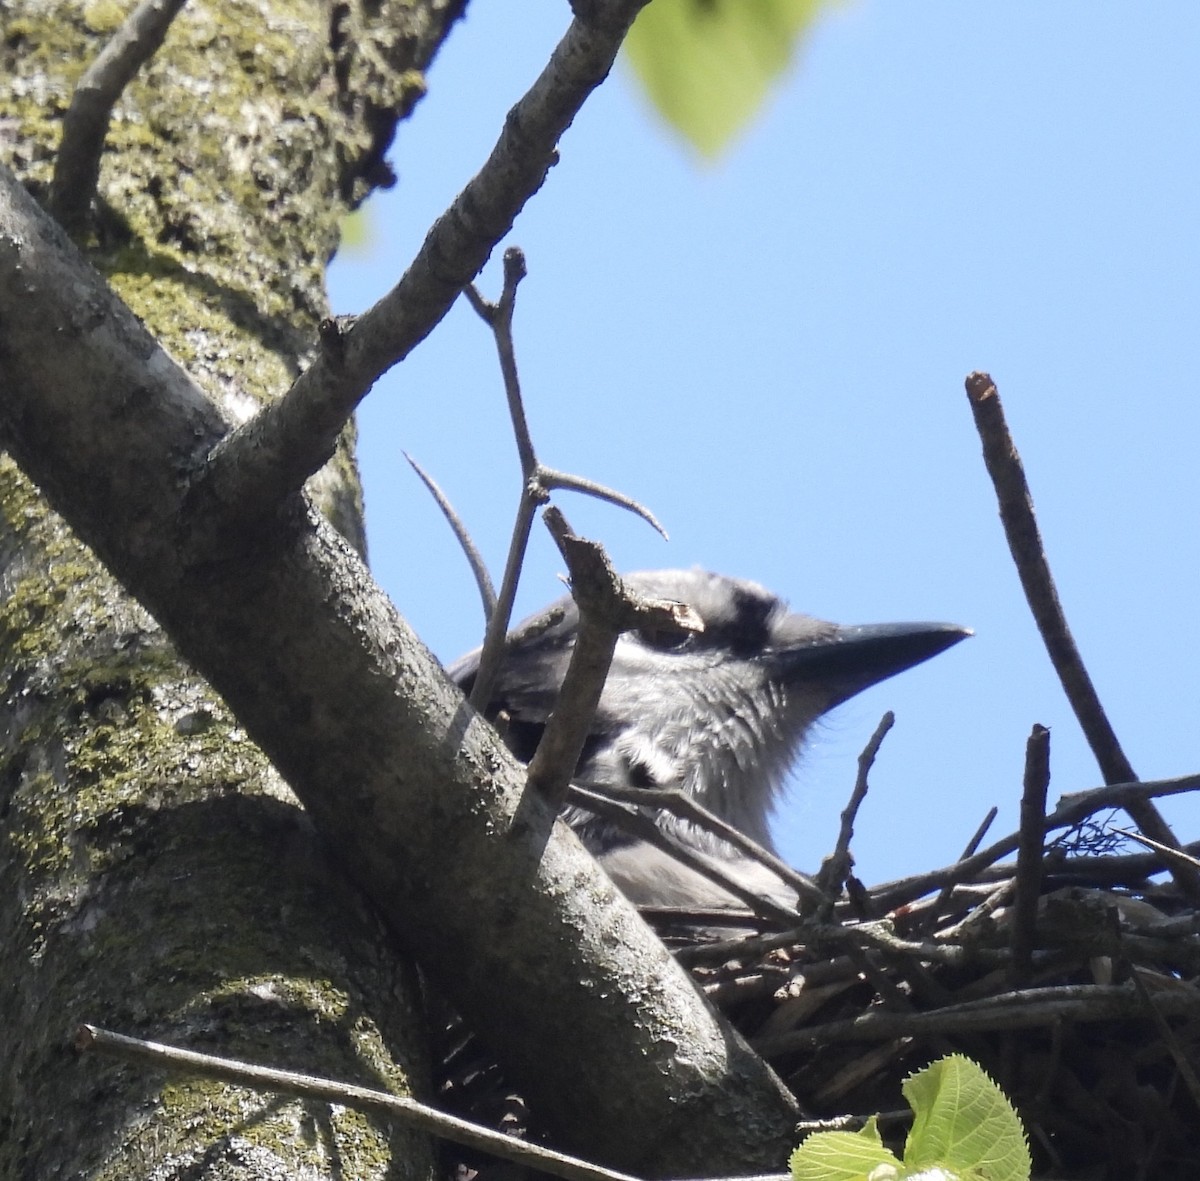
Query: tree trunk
x,y
156,875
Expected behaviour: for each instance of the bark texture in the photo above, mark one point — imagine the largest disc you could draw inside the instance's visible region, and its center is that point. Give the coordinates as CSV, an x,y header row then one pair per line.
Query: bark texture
x,y
420,802
156,875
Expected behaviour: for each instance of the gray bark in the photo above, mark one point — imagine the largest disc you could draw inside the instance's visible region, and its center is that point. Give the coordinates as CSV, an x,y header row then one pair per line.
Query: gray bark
x,y
422,806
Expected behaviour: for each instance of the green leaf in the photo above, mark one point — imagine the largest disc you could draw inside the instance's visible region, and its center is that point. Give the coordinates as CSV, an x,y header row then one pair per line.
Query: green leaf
x,y
964,1124
844,1156
707,64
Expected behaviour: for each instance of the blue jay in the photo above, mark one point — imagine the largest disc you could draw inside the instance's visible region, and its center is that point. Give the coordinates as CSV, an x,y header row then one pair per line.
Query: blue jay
x,y
719,714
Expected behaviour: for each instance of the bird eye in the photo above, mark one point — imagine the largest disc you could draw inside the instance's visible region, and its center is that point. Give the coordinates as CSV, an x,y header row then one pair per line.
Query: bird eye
x,y
665,639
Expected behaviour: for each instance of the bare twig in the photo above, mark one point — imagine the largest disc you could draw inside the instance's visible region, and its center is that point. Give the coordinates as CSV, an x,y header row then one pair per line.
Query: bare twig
x,y
977,839
554,480
1170,856
257,465
77,168
1025,542
1029,855
1071,810
499,316
836,869
537,481
968,851
483,580
684,806
1012,1010
306,1086
634,821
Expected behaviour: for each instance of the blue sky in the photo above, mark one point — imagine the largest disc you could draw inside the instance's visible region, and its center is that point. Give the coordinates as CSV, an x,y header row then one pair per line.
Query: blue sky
x,y
770,353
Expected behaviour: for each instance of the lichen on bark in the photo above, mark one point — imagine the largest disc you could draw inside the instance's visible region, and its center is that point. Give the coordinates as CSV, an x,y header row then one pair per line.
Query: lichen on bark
x,y
156,875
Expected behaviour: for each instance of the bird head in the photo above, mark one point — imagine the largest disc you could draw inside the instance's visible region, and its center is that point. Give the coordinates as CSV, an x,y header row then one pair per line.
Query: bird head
x,y
720,713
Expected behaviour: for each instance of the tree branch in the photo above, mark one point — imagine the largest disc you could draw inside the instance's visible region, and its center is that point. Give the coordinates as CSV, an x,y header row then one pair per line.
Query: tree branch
x,y
607,607
85,127
259,464
1025,541
424,806
307,1086
537,481
1029,855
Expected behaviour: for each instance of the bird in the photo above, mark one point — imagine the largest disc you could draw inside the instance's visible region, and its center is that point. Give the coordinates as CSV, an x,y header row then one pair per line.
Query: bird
x,y
719,714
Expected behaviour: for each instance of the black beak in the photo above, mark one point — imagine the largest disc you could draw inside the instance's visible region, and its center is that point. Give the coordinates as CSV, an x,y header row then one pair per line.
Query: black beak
x,y
850,659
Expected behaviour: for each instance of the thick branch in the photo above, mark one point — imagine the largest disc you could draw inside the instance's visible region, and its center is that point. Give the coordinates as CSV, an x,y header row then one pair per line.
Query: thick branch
x,y
424,805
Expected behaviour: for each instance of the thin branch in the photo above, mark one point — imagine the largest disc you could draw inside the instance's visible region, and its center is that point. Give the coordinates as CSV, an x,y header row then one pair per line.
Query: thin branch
x,y
256,466
607,607
499,317
307,1086
1025,542
686,807
634,821
1171,856
382,1103
483,580
1011,1010
1072,809
552,478
968,851
837,865
495,635
537,482
1029,855
85,127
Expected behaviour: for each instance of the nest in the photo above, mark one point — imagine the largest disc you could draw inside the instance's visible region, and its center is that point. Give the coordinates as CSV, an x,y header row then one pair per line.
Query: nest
x,y
1068,974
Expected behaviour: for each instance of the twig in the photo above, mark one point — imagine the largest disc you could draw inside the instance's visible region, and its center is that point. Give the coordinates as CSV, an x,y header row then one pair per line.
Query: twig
x,y
977,839
968,851
970,923
304,1086
607,607
396,1107
555,481
85,127
1071,810
252,471
498,317
1025,542
1182,1062
537,481
638,824
1012,1010
833,874
684,806
1029,855
1175,856
483,580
